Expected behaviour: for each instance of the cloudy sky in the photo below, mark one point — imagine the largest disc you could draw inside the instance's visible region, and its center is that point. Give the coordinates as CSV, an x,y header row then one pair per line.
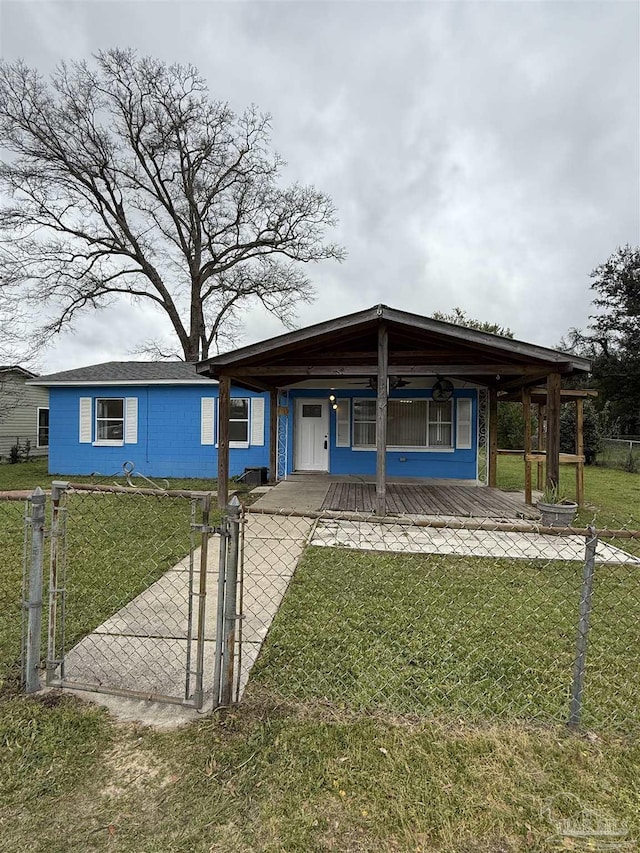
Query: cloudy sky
x,y
480,154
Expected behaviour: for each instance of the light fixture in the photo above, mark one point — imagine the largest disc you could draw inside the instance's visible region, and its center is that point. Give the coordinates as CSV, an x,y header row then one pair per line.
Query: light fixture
x,y
335,406
332,397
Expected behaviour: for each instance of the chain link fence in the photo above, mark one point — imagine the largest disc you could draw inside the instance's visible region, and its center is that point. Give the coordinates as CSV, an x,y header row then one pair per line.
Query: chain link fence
x,y
15,544
153,595
620,453
458,618
125,590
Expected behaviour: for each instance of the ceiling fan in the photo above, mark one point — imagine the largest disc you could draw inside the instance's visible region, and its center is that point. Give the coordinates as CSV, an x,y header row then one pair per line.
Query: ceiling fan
x,y
372,382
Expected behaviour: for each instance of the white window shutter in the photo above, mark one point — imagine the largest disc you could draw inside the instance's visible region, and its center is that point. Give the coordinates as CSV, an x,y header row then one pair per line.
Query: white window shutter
x,y
257,420
464,433
85,420
343,423
207,419
131,420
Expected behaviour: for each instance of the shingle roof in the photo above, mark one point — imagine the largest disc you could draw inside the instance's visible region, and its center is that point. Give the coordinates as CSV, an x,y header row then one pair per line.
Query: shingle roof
x,y
138,372
5,368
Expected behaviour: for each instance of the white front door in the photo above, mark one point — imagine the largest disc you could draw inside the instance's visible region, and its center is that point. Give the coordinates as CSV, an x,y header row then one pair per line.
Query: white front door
x,y
311,435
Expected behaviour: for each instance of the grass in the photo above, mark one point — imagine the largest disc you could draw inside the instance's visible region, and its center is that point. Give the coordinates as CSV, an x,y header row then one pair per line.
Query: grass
x,y
298,778
612,497
28,475
342,762
453,636
117,545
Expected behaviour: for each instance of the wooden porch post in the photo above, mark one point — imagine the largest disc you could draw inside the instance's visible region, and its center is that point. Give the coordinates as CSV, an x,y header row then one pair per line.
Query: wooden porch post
x,y
273,434
553,430
541,447
493,437
224,410
381,420
580,451
526,412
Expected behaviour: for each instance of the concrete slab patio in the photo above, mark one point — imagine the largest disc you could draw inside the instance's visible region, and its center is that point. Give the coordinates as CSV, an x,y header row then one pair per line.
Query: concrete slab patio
x,y
404,539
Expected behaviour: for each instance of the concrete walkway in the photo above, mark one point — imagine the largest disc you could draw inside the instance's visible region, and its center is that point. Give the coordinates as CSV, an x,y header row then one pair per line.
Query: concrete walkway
x,y
143,647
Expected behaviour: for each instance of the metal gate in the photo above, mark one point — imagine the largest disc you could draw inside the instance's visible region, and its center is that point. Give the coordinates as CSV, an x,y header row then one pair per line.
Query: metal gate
x,y
128,610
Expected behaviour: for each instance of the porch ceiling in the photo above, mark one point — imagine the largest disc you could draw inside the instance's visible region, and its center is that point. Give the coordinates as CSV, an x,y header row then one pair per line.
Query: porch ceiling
x,y
418,346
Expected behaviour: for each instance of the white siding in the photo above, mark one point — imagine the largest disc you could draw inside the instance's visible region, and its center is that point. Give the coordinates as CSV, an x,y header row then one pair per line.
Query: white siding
x,y
19,412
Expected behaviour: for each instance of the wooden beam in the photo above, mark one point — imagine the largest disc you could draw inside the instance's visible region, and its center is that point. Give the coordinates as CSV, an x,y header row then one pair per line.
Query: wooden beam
x,y
358,370
273,435
580,451
553,430
493,437
519,384
526,412
224,409
381,420
541,444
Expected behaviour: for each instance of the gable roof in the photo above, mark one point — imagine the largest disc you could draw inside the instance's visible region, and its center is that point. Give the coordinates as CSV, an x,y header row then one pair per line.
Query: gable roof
x,y
8,368
127,373
347,346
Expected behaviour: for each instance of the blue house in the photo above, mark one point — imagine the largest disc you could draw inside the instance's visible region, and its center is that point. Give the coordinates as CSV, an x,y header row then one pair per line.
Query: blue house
x,y
377,394
385,393
161,416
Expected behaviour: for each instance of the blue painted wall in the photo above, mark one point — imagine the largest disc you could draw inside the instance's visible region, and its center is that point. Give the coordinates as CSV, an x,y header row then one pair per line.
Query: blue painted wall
x,y
168,433
456,464
169,437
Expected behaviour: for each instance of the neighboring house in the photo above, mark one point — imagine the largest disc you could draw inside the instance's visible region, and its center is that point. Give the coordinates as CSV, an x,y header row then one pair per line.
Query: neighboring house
x,y
162,416
24,412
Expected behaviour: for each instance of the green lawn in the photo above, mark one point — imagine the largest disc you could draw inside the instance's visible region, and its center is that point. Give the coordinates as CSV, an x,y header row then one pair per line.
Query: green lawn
x,y
454,637
612,497
28,475
327,753
117,545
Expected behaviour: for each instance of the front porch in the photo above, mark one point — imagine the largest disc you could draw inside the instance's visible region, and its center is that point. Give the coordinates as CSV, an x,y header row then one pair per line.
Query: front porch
x,y
325,493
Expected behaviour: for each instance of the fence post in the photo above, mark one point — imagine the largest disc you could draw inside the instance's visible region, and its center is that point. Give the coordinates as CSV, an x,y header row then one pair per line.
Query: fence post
x,y
583,628
202,593
234,509
34,603
56,567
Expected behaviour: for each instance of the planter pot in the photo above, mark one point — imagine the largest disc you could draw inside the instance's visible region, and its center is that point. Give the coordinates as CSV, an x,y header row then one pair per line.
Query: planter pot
x,y
558,515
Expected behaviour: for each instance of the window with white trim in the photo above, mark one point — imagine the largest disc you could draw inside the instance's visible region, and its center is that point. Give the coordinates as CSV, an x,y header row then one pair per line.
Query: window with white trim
x,y
239,422
109,420
42,439
411,422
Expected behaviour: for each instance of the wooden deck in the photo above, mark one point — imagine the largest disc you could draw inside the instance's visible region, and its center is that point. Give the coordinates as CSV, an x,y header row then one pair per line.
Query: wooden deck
x,y
407,499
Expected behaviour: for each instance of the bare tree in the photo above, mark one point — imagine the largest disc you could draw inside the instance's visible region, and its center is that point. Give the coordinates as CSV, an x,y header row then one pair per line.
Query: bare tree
x,y
125,178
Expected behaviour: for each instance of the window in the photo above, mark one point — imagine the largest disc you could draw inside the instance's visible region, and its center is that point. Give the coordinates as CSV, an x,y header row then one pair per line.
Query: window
x,y
364,423
239,422
43,428
416,423
109,420
440,424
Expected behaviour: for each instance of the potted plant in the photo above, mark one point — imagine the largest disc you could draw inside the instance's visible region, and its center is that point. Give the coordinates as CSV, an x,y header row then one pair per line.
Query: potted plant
x,y
555,509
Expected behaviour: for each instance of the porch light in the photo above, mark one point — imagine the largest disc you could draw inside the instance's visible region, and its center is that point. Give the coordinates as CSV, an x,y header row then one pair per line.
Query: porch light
x,y
335,406
332,397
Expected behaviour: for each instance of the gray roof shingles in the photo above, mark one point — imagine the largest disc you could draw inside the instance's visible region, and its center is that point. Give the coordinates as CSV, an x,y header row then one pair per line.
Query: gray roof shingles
x,y
128,371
